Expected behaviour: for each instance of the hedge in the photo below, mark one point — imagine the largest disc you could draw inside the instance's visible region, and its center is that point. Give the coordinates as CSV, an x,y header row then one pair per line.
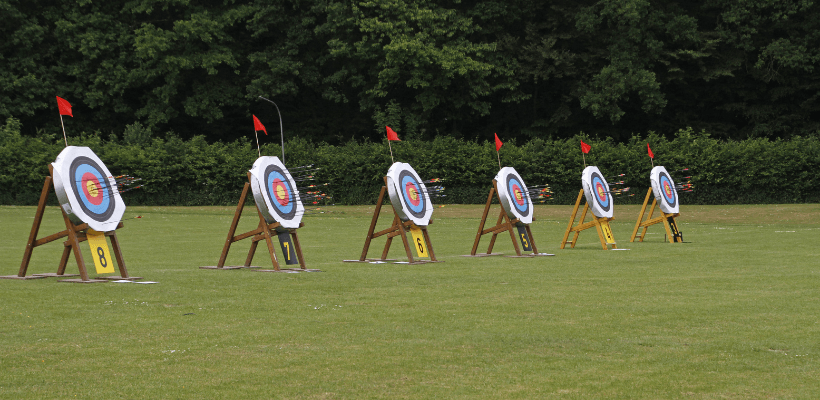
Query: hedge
x,y
194,172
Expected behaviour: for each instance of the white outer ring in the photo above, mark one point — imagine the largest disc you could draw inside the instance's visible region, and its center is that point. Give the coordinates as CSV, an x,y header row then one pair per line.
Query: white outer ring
x,y
397,200
586,181
655,181
262,198
506,201
70,203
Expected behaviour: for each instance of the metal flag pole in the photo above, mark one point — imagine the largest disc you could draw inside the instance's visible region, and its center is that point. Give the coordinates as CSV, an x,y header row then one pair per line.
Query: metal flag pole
x,y
391,150
281,131
499,159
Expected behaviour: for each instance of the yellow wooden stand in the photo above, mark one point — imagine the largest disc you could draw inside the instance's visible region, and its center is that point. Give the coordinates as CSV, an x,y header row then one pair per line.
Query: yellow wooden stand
x,y
264,231
668,220
503,224
600,224
76,234
397,228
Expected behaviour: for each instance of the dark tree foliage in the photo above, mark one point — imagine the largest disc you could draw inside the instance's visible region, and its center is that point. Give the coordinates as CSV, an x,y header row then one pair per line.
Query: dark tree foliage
x,y
342,69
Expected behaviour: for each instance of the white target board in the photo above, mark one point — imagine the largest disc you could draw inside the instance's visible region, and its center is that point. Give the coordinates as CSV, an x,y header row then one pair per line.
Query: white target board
x,y
275,193
596,191
408,195
86,190
663,187
514,196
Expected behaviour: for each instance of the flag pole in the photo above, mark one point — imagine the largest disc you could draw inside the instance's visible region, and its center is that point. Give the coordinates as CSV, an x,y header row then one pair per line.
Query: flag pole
x,y
256,133
499,159
585,159
391,151
64,136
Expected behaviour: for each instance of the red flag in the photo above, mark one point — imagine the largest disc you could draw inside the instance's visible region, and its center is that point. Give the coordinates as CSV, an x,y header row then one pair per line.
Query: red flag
x,y
64,106
652,156
585,147
257,126
498,143
391,134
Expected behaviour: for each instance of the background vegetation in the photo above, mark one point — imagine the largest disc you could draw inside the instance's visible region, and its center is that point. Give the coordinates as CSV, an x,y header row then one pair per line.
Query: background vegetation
x,y
194,172
343,69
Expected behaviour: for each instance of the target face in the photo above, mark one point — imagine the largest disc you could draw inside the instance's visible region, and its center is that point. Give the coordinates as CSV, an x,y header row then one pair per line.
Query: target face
x,y
86,190
596,191
275,193
514,196
663,187
408,194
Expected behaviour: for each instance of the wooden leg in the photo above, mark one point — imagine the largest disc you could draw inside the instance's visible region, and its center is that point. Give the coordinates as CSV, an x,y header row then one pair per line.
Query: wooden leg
x,y
234,224
429,244
532,241
64,260
251,252
600,233
483,221
572,220
35,226
389,242
581,221
268,240
495,234
373,224
75,247
298,248
404,241
512,234
640,216
115,245
668,228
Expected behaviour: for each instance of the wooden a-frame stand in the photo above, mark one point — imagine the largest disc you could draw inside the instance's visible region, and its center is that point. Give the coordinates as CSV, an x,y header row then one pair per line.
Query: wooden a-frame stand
x,y
503,224
600,224
76,234
397,228
672,232
264,232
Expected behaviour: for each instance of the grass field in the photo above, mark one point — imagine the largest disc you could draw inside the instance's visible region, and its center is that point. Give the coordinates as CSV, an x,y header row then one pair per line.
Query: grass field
x,y
733,313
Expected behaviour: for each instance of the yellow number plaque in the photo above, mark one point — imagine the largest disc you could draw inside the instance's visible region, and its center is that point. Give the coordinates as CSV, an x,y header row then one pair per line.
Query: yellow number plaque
x,y
100,252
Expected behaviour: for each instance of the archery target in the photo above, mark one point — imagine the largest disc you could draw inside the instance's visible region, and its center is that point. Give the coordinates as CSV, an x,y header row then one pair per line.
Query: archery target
x,y
408,194
663,187
275,193
596,190
86,190
514,196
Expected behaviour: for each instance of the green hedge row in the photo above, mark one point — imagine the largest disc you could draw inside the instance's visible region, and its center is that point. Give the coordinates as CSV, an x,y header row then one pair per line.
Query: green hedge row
x,y
194,172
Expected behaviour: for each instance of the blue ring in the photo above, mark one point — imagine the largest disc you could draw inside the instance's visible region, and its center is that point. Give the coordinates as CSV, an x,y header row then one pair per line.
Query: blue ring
x,y
511,194
669,200
283,209
595,192
78,180
409,179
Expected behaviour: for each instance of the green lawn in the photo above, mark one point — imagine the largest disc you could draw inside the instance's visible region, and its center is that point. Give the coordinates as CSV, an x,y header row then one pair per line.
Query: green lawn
x,y
733,313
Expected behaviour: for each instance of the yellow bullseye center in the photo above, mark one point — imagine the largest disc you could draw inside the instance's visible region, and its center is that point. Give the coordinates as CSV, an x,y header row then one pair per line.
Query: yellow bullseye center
x,y
413,195
601,192
280,192
92,188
